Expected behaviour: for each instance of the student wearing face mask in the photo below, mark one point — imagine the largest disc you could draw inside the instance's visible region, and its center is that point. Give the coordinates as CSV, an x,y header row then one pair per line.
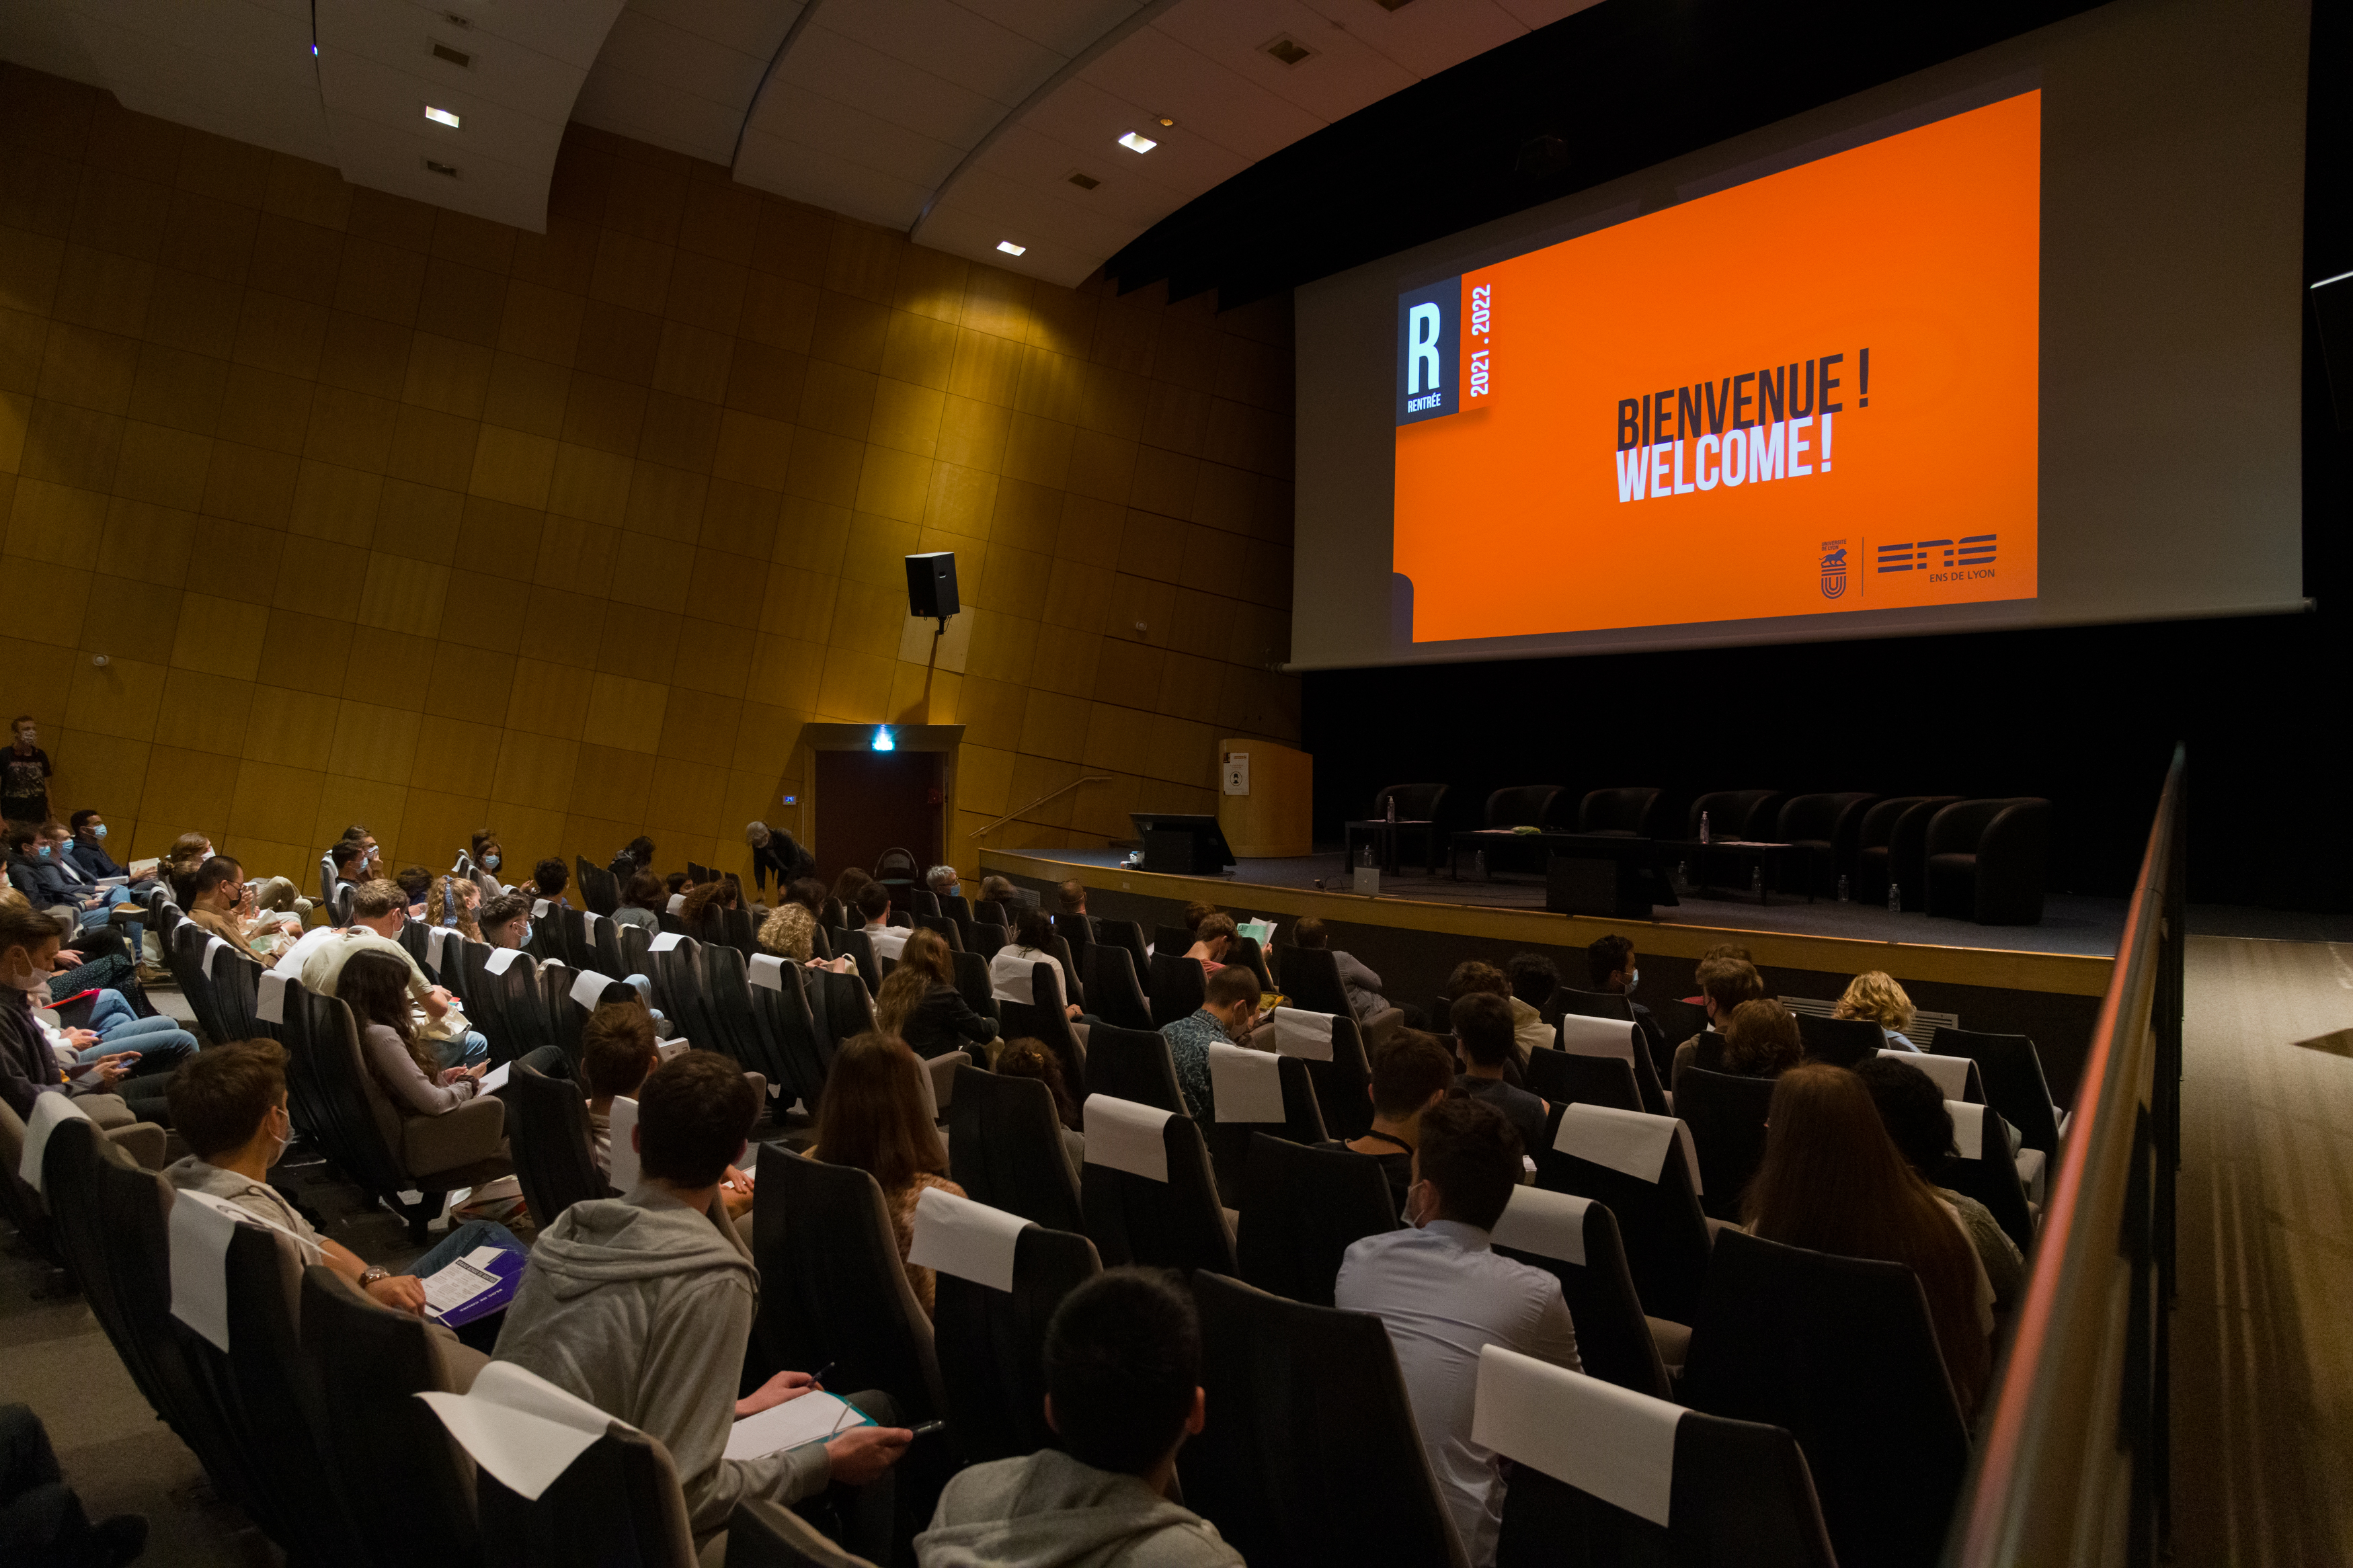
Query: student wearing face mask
x,y
488,855
28,1063
1445,1294
88,850
220,908
64,884
1612,963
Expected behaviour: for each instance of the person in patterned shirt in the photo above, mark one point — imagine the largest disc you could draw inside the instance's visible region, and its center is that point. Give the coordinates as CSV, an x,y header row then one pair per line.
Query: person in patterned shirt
x,y
1227,1012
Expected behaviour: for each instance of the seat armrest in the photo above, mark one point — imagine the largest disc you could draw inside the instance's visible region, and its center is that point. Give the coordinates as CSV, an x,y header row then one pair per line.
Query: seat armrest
x,y
475,1130
1673,1341
2031,1169
943,1071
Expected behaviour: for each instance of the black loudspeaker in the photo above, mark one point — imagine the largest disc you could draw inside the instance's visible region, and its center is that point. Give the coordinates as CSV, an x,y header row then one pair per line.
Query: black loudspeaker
x,y
930,586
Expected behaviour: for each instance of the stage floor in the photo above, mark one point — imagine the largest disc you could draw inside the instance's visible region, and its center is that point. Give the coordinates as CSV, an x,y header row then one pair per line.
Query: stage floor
x,y
2072,925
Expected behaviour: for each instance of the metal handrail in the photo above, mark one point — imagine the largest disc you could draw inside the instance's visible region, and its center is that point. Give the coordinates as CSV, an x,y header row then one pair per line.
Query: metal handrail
x,y
2075,1463
1010,816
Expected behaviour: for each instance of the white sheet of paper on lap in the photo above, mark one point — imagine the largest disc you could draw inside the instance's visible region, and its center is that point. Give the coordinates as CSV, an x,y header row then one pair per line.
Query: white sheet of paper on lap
x,y
455,1284
520,1426
496,1079
1127,1136
1299,1033
1245,1084
970,1240
622,1123
1586,1433
812,1418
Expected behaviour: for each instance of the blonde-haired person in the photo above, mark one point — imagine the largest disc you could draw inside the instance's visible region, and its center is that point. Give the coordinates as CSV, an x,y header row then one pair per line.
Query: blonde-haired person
x,y
790,931
1874,995
461,895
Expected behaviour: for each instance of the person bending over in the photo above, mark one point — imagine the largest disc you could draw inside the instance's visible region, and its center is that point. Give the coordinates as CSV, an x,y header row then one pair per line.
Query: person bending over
x,y
1411,1076
1445,1295
1211,939
1122,1392
642,1305
920,1004
1227,1013
773,849
636,856
1912,1109
1483,1043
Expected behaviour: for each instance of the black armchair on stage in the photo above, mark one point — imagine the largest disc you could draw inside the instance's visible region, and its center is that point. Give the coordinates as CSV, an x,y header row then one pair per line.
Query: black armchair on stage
x,y
1733,814
1893,847
1829,828
1987,860
1619,813
1521,805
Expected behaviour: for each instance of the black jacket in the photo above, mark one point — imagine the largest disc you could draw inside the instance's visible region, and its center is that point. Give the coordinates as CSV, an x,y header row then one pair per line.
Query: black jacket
x,y
944,1022
785,858
94,859
28,1068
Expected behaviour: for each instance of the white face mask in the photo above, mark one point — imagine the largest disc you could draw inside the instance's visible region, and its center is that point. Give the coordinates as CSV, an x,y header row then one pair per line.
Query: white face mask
x,y
284,1140
1418,1210
29,979
1634,978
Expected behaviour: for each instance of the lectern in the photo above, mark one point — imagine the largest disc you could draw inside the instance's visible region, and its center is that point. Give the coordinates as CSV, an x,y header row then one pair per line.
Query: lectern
x,y
1266,800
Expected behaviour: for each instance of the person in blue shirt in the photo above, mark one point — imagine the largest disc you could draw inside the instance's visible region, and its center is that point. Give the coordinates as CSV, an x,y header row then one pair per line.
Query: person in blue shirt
x,y
1227,1012
88,849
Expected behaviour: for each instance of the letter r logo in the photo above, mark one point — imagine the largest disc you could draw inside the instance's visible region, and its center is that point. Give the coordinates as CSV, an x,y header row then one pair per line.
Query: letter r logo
x,y
1428,322
1429,328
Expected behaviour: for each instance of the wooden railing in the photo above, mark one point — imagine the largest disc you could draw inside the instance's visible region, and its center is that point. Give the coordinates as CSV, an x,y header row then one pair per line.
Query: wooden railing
x,y
2074,1463
1049,795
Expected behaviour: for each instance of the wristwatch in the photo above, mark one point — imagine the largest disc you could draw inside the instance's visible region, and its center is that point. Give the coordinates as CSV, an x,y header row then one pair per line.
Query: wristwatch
x,y
372,1275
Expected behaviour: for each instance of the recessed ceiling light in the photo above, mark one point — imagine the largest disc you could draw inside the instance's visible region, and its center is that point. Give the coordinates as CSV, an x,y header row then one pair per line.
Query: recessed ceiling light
x,y
1136,143
444,169
1010,248
1085,181
441,117
1287,50
1165,121
442,51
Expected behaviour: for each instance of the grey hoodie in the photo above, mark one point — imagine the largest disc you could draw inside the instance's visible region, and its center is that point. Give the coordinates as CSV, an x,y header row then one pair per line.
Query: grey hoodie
x,y
641,1306
1048,1510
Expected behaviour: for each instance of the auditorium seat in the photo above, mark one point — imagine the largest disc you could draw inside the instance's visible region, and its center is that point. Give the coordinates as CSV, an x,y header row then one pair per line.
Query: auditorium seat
x,y
1157,1208
1043,1019
1310,1454
946,930
1842,1042
1230,1134
1841,1354
1892,845
1415,803
18,1201
1520,806
2012,1070
1566,1079
973,982
618,1502
1829,828
801,1052
770,1535
991,1343
1987,860
1727,1116
1244,950
1332,1046
1311,979
849,1008
1576,1240
1619,813
185,956
1307,1206
1587,1036
1174,941
1585,1004
1677,1487
1005,1149
549,1139
1117,997
735,1028
1128,934
1980,1167
1178,988
1656,1205
1130,1064
859,949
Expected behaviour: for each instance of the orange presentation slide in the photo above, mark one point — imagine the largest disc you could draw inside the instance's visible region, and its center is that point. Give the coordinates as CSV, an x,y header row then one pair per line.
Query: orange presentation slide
x,y
1809,394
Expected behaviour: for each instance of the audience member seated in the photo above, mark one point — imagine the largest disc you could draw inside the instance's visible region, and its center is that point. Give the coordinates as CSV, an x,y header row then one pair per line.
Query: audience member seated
x,y
1611,965
28,1064
56,881
943,883
617,1053
1533,978
1363,987
1210,939
229,1105
1123,1367
1760,1040
773,849
1876,996
180,862
376,988
417,882
1029,1059
1911,1108
919,1002
548,880
642,1306
1010,971
1228,1014
1414,1073
505,920
1724,984
1833,1181
1445,1295
41,1517
875,1116
88,850
847,887
24,775
642,902
1483,1043
1529,1031
790,931
720,893
874,908
483,848
223,907
24,840
673,885
378,912
153,1045
452,901
1071,897
349,857
101,961
809,893
636,856
1000,890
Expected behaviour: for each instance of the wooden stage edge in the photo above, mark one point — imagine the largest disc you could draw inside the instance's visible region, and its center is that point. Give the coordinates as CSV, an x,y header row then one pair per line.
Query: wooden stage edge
x,y
2007,969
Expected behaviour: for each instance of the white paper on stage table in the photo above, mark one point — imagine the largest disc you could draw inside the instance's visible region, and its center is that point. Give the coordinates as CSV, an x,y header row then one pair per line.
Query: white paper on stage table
x,y
1633,1142
1583,1037
589,989
677,903
270,999
1951,1073
520,1426
811,1419
1127,1136
1968,1128
622,1123
48,1109
1299,1033
767,970
502,959
435,938
1246,1085
1550,1225
1581,1431
967,1240
666,940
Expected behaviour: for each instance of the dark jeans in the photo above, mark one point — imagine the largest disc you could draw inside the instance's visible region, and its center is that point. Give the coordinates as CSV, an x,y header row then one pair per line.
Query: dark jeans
x,y
41,1521
464,1239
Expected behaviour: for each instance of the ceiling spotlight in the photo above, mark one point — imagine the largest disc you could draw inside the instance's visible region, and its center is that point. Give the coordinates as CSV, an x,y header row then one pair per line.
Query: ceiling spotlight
x,y
1085,181
441,117
1010,248
1136,142
1165,121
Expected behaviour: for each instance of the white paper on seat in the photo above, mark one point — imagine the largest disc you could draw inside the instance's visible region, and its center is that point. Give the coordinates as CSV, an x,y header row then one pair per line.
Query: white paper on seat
x,y
1126,1136
269,999
1633,1142
666,942
967,1240
2032,1168
520,1426
588,919
1307,1036
1600,1438
1951,1073
589,989
539,908
496,1079
677,903
435,938
1548,1223
1968,1128
214,948
201,1227
767,970
502,959
1584,1036
811,1419
48,1109
622,1124
1246,1085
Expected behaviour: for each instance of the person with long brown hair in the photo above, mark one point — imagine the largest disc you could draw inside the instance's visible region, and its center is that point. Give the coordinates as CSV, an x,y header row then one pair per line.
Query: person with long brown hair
x,y
1761,1039
874,1115
1833,1181
920,1004
1026,1058
376,988
719,892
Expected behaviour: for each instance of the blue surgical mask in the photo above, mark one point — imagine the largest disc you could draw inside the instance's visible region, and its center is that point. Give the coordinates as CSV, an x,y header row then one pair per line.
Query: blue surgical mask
x,y
1634,978
489,862
526,935
101,830
44,851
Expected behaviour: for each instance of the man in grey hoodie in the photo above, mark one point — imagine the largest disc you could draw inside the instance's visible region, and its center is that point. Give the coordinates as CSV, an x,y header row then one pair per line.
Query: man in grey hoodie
x,y
1122,1390
641,1305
